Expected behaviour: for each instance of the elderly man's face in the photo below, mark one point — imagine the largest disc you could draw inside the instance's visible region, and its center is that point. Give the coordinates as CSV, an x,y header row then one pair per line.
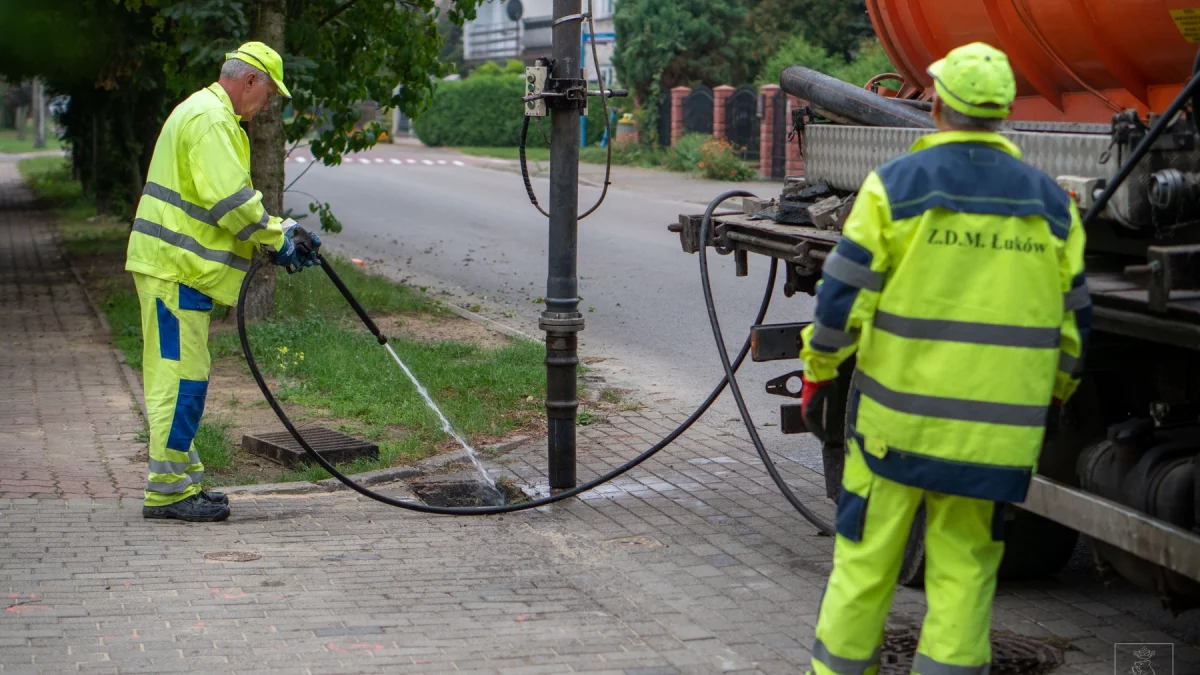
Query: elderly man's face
x,y
256,95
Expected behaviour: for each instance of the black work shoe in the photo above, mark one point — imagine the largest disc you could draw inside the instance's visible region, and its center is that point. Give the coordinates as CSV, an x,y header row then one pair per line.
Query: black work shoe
x,y
215,497
194,509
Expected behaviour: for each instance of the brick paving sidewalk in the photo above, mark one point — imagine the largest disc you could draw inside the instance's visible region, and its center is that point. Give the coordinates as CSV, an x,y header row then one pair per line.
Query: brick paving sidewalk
x,y
691,563
65,407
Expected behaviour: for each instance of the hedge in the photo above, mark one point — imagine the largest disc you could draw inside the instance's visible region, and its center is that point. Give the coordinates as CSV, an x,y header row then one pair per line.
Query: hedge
x,y
486,110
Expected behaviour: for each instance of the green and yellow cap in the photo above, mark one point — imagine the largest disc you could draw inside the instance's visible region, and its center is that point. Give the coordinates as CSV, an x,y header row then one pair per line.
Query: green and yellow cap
x,y
975,80
264,58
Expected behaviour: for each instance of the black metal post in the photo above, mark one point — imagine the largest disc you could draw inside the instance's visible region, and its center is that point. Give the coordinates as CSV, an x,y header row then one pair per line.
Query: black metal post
x,y
562,320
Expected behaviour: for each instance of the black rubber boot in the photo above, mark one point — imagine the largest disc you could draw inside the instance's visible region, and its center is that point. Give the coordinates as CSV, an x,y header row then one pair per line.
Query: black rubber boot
x,y
195,509
215,497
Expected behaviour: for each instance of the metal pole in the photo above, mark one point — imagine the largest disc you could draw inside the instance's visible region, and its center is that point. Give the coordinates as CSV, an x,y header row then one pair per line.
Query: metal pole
x,y
562,320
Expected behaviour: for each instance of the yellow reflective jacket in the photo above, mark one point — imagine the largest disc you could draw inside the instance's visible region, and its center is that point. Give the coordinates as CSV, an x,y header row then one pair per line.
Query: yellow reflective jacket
x,y
199,218
959,282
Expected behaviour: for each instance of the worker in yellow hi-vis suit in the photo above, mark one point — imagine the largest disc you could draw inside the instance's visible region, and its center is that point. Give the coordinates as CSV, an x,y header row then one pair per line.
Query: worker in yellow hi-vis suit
x,y
198,223
959,284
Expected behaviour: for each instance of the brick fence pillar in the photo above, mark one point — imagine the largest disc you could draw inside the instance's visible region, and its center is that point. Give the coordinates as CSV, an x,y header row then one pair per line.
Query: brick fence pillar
x,y
767,92
677,96
795,162
720,95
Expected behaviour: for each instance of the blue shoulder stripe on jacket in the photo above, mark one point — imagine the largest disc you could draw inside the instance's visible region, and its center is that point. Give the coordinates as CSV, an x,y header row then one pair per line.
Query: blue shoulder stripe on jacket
x,y
973,178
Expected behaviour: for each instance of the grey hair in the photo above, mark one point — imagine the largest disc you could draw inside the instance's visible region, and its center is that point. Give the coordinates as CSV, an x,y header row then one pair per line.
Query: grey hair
x,y
960,122
236,69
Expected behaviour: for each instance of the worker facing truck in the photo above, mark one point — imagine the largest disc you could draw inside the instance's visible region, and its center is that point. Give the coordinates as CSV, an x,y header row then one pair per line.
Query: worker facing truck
x,y
958,285
198,224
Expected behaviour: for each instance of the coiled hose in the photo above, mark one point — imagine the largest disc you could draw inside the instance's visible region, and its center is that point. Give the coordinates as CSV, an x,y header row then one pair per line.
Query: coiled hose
x,y
728,379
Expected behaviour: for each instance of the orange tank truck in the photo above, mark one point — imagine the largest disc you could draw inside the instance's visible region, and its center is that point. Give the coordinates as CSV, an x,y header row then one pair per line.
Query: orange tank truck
x,y
1076,60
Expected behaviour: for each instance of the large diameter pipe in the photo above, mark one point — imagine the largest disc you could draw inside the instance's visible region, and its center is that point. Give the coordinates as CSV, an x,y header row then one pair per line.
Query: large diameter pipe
x,y
851,102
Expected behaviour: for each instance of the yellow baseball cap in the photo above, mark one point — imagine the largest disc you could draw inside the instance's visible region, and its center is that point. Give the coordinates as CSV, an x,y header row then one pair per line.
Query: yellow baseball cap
x,y
975,80
263,57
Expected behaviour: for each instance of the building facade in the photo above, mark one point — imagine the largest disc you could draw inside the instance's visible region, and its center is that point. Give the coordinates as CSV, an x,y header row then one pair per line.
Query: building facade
x,y
495,35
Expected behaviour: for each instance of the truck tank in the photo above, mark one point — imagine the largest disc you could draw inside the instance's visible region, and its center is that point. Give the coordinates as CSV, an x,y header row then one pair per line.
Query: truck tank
x,y
1076,60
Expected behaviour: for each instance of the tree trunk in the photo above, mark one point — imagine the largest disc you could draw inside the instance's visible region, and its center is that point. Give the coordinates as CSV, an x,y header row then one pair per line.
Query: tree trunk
x,y
22,121
39,114
266,155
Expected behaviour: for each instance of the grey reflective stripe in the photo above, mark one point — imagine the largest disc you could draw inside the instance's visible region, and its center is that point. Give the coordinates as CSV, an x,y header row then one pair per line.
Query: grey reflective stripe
x,y
923,665
173,198
232,202
1068,364
847,271
962,331
1076,298
840,665
250,229
175,488
953,408
189,244
831,337
162,466
196,477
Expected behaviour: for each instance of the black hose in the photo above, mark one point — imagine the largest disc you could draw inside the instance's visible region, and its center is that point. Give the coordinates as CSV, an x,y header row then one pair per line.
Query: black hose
x,y
491,510
1160,125
731,378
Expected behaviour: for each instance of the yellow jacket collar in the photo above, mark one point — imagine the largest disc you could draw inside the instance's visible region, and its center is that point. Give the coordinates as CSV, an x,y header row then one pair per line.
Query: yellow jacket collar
x,y
219,91
985,137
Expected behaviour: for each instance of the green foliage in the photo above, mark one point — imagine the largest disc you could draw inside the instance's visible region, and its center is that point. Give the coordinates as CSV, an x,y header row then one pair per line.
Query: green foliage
x,y
836,26
719,160
309,293
685,154
213,444
126,63
661,45
485,110
870,61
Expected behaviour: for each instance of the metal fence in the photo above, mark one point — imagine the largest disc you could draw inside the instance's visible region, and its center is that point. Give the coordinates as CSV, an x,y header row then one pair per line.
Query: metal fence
x,y
742,122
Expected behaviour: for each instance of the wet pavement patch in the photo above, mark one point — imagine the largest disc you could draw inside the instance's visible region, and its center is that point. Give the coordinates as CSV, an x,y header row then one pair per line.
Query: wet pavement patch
x,y
461,490
1012,654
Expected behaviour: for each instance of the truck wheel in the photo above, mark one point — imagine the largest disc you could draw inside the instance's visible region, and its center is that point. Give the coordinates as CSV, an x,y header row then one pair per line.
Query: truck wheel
x,y
1035,547
912,569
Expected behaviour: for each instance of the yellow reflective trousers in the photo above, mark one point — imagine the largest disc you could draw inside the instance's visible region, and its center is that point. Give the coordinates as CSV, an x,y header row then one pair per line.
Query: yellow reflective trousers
x,y
175,365
963,547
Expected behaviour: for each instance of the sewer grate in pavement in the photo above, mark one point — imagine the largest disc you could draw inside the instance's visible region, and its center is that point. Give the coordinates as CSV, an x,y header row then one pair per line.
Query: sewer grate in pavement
x,y
232,556
1012,654
279,446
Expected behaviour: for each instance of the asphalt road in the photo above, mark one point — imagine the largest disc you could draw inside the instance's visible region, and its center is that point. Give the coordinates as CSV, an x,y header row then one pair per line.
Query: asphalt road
x,y
465,227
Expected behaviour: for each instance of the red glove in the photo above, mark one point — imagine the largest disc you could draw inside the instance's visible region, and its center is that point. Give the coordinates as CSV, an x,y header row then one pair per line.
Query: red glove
x,y
812,401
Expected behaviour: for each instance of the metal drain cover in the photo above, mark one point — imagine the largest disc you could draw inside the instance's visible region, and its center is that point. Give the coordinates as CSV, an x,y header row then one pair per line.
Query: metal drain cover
x,y
1012,654
232,556
336,447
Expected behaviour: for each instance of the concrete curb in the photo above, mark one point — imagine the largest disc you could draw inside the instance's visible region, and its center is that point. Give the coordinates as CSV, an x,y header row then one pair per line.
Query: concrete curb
x,y
491,324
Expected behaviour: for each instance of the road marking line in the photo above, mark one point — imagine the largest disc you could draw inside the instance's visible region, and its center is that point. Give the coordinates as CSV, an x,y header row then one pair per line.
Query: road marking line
x,y
458,163
411,161
378,160
426,161
302,160
365,161
395,161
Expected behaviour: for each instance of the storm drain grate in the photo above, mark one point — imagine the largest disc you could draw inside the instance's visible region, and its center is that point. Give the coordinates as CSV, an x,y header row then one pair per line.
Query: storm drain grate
x,y
1012,654
335,447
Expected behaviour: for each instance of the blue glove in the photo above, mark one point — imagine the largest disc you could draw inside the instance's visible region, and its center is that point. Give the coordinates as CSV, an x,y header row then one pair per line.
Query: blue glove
x,y
286,255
